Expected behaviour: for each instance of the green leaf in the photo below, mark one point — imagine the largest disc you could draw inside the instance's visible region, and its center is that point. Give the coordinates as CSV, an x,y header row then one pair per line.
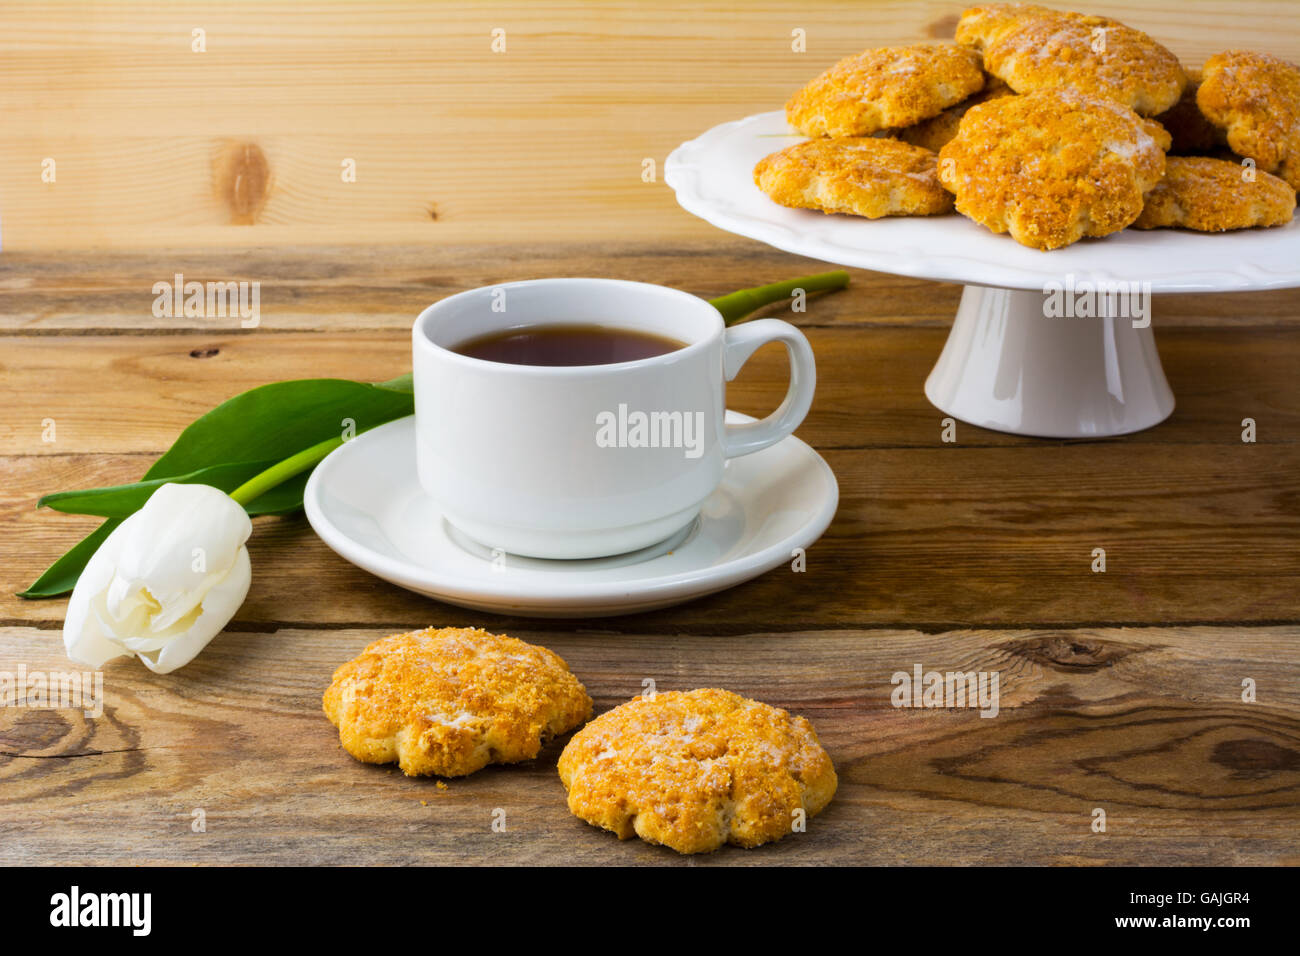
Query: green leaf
x,y
230,444
285,498
63,573
277,420
312,406
121,501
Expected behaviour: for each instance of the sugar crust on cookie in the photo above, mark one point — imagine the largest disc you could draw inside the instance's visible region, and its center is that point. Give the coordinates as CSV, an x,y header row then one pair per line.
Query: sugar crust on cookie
x,y
857,175
1053,166
1255,99
695,770
1033,48
450,701
1215,195
883,88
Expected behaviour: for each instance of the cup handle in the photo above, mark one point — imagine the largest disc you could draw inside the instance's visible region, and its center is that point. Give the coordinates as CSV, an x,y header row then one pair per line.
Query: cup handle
x,y
742,341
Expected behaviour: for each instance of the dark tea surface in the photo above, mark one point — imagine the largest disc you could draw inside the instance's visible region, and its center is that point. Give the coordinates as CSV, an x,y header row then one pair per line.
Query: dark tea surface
x,y
566,345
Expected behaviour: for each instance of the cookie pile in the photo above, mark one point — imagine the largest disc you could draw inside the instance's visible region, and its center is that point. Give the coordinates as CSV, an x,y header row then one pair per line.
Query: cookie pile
x,y
1048,126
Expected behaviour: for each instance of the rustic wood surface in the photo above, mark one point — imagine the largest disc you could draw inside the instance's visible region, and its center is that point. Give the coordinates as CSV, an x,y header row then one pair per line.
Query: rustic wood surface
x,y
1145,723
1120,691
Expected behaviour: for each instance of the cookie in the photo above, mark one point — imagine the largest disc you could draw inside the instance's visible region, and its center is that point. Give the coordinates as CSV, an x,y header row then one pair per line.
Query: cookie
x,y
451,701
1053,166
858,175
1212,195
1033,48
697,769
879,89
934,133
1255,98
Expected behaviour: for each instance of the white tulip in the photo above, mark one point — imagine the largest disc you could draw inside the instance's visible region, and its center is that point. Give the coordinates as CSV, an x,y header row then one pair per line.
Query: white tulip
x,y
164,583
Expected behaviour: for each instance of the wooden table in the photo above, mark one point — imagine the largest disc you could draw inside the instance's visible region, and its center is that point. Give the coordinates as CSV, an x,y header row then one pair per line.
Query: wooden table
x,y
1120,691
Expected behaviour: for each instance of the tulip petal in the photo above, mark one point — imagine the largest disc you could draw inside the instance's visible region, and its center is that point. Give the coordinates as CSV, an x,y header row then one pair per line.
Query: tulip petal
x,y
164,583
83,638
219,606
183,534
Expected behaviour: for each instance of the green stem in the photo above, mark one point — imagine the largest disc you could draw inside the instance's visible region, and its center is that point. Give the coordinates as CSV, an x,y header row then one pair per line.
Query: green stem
x,y
282,471
733,306
736,305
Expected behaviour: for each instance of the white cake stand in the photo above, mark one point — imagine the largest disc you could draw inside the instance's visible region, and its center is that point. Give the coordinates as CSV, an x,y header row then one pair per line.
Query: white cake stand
x,y
1010,363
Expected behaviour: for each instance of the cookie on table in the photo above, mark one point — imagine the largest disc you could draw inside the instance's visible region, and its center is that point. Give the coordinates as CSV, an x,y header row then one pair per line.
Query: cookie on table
x,y
1033,48
1189,130
1053,166
858,175
934,133
1214,195
888,87
450,701
1255,99
695,770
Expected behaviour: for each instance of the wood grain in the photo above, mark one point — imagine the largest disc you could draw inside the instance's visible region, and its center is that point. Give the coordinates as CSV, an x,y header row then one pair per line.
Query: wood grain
x,y
972,556
366,287
1197,526
1146,724
135,393
932,538
452,142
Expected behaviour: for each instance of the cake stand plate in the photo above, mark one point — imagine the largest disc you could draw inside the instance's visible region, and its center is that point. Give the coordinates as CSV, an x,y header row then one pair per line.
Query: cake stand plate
x,y
1055,344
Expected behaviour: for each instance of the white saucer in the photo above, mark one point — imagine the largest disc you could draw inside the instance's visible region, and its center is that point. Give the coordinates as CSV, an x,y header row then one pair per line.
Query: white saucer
x,y
365,502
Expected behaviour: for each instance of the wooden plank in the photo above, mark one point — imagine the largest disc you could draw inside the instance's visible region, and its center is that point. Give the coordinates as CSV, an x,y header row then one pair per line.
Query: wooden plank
x,y
453,142
994,530
359,287
369,287
1146,724
928,537
135,393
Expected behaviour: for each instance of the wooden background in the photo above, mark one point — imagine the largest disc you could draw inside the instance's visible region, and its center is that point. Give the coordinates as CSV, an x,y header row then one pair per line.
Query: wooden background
x,y
158,146
1120,691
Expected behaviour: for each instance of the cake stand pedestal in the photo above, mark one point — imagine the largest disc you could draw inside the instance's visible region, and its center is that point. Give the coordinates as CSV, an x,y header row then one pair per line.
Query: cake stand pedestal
x,y
1009,367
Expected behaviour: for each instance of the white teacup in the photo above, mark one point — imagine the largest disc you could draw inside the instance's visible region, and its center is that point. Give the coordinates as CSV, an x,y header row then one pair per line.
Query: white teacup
x,y
552,462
